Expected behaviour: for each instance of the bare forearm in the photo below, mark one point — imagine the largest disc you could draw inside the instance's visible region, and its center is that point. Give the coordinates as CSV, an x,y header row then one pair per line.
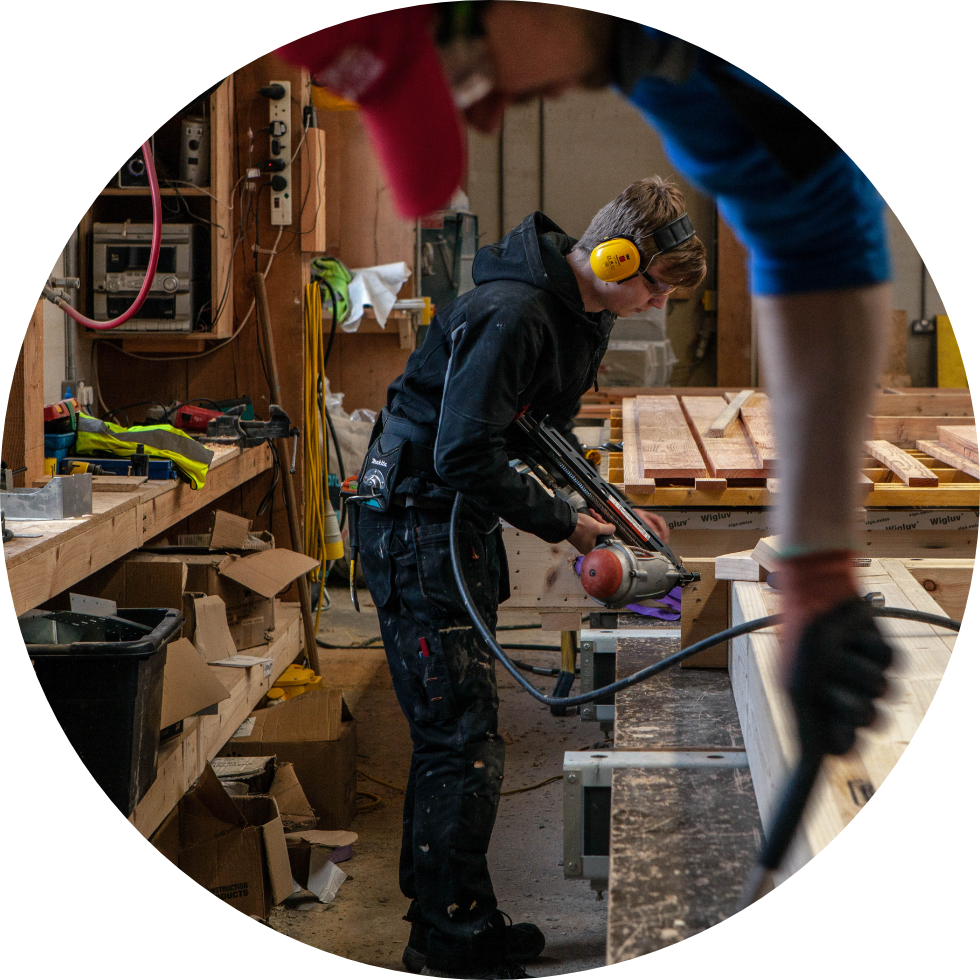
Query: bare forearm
x,y
821,355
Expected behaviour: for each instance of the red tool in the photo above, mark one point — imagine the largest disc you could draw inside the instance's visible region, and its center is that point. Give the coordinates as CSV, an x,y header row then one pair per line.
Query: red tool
x,y
193,418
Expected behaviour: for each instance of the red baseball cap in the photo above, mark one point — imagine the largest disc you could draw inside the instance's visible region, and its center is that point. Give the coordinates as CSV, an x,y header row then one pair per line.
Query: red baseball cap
x,y
388,64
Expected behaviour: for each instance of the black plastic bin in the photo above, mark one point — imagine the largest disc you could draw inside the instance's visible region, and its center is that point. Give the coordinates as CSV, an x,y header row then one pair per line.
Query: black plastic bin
x,y
103,677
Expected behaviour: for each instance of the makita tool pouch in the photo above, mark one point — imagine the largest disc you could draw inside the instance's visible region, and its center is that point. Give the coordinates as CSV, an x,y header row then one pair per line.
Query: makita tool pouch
x,y
398,448
379,471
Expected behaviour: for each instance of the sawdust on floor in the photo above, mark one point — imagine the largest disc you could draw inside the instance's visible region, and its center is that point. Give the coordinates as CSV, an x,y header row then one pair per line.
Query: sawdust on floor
x,y
365,922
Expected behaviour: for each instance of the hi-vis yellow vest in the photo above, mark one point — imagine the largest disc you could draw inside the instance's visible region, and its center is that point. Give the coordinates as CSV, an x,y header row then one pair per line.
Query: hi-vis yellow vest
x,y
159,441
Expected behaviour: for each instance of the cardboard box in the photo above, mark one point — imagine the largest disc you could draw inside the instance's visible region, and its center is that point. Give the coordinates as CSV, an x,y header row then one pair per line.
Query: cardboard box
x,y
261,775
316,733
189,684
236,848
246,584
230,531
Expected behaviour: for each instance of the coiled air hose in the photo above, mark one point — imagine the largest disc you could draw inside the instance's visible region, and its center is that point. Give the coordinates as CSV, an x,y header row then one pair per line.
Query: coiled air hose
x,y
797,790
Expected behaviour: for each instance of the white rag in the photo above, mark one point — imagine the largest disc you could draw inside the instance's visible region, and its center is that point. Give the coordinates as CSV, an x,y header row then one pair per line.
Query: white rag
x,y
376,286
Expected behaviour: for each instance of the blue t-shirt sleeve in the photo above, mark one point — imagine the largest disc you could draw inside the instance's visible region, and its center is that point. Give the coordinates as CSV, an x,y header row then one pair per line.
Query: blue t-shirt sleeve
x,y
805,232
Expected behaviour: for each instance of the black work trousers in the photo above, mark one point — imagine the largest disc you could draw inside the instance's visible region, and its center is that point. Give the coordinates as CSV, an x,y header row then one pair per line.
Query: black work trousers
x,y
445,682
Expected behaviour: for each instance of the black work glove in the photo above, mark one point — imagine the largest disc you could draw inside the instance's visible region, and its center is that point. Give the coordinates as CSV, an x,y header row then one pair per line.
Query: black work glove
x,y
838,671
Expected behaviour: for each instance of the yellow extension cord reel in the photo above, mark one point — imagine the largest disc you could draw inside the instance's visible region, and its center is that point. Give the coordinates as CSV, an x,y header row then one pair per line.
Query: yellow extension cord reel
x,y
323,538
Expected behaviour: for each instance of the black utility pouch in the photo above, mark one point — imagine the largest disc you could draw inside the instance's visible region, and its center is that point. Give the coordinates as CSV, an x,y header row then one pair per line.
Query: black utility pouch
x,y
379,471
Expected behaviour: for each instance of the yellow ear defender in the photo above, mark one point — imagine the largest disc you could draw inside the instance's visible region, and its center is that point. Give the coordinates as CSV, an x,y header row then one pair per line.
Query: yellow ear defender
x,y
616,259
619,259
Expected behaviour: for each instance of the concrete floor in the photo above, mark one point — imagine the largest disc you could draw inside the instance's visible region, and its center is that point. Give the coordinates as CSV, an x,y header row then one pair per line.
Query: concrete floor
x,y
365,922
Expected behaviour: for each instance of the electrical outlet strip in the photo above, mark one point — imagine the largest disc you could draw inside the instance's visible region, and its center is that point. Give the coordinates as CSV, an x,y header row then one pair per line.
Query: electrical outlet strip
x,y
280,194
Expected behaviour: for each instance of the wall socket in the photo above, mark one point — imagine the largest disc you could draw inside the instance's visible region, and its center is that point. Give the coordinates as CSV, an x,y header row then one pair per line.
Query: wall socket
x,y
280,148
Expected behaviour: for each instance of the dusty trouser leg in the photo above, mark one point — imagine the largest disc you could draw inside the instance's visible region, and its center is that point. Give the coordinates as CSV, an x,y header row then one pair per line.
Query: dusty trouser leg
x,y
445,683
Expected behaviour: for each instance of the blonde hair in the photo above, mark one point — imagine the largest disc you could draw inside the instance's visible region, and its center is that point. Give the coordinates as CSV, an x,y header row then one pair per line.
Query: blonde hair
x,y
640,210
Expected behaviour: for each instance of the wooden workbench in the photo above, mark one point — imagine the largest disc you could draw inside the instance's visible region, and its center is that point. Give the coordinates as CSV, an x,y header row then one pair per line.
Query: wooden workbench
x,y
681,839
68,551
182,759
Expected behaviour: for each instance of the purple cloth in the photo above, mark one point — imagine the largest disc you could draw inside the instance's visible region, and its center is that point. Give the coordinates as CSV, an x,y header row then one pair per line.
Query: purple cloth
x,y
672,600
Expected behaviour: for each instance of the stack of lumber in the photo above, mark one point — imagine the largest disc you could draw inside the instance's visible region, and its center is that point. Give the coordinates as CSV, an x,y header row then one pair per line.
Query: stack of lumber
x,y
955,445
766,717
719,450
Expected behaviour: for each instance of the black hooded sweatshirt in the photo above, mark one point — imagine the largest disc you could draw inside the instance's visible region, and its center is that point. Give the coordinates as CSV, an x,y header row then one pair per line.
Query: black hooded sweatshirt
x,y
520,340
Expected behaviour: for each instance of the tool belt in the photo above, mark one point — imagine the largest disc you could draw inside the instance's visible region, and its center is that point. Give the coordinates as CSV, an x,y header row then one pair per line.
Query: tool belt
x,y
399,451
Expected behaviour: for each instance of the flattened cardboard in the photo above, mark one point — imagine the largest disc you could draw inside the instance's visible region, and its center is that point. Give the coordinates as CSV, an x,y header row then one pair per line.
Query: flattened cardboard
x,y
324,838
189,684
230,530
294,808
211,634
268,572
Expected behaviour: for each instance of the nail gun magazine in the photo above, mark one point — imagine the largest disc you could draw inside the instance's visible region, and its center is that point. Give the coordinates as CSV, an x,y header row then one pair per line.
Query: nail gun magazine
x,y
640,565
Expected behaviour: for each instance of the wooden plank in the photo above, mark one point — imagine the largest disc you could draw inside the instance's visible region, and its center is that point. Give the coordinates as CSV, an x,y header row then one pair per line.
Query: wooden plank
x,y
766,553
39,568
927,401
23,429
739,567
731,457
906,431
757,419
734,342
704,612
223,174
961,439
664,440
894,371
726,424
542,575
947,580
912,472
921,655
710,484
940,452
106,484
632,454
313,169
182,760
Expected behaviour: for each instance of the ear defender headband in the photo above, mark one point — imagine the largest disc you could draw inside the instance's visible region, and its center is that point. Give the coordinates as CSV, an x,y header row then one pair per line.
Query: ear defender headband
x,y
620,259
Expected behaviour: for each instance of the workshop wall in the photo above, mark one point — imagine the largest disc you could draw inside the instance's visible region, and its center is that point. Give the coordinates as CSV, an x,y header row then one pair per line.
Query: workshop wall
x,y
569,156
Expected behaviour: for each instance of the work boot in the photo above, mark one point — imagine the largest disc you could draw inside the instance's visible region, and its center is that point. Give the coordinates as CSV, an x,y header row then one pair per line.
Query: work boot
x,y
522,942
499,971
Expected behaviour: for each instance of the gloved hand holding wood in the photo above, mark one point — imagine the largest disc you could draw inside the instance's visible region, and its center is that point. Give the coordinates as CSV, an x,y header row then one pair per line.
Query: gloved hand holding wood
x,y
836,656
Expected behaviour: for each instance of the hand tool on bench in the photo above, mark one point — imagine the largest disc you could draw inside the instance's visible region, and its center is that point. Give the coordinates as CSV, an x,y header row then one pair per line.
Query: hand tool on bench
x,y
230,429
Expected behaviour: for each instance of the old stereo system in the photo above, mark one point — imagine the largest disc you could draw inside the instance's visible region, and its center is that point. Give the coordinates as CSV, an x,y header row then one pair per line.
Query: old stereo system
x,y
181,286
